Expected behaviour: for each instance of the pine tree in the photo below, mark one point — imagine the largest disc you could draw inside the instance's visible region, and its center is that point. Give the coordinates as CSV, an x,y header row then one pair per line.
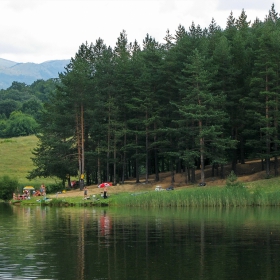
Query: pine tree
x,y
202,111
76,84
265,92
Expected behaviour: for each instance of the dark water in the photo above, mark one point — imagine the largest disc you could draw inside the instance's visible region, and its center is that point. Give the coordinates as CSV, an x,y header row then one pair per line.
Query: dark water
x,y
99,243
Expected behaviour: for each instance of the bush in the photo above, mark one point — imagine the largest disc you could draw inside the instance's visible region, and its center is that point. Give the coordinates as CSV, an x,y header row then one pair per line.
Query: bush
x,y
54,188
7,187
20,124
232,180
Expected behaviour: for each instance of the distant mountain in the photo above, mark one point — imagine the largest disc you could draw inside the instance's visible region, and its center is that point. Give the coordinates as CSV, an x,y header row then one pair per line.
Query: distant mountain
x,y
28,73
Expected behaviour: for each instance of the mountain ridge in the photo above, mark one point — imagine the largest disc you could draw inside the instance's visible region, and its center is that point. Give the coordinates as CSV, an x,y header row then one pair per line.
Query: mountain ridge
x,y
29,72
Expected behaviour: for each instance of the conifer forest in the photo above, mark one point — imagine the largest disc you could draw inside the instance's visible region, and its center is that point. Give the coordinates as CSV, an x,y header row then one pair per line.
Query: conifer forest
x,y
203,97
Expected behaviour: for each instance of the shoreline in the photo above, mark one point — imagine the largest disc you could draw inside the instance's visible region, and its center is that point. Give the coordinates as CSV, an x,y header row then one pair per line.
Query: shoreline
x,y
219,197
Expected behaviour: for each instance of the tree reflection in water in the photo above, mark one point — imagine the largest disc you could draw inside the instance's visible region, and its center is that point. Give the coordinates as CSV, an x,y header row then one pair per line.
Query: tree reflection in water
x,y
90,243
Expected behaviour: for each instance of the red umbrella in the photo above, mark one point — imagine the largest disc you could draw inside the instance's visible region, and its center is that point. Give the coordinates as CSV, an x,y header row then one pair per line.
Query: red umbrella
x,y
103,185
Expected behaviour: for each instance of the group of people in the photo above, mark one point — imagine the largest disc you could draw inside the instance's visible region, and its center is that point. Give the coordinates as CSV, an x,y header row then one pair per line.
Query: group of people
x,y
31,191
41,192
25,195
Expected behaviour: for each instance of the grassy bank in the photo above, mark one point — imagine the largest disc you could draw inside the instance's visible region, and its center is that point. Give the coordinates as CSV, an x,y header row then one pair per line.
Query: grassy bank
x,y
62,202
199,197
191,197
16,162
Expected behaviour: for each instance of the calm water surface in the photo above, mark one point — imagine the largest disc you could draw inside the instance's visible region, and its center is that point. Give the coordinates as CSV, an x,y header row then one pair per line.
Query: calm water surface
x,y
109,243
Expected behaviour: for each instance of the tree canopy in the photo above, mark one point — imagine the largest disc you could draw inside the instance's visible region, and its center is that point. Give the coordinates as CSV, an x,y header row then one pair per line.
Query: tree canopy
x,y
205,96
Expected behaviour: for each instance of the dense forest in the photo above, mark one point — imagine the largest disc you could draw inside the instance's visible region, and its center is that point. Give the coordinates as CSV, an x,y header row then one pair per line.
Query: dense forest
x,y
203,97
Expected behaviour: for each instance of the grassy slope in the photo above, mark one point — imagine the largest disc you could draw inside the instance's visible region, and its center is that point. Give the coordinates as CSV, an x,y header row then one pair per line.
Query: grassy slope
x,y
16,160
16,153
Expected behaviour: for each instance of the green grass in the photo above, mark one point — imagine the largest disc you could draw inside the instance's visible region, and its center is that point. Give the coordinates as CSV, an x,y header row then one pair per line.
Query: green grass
x,y
63,202
192,197
200,197
16,160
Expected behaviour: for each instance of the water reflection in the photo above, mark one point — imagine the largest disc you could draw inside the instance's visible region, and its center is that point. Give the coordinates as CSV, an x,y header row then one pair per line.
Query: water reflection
x,y
90,243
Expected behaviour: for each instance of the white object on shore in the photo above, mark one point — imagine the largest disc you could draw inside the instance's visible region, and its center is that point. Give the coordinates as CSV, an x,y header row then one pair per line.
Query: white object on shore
x,y
159,188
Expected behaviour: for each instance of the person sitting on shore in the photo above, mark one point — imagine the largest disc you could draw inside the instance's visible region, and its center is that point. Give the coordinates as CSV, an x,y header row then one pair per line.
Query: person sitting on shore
x,y
37,193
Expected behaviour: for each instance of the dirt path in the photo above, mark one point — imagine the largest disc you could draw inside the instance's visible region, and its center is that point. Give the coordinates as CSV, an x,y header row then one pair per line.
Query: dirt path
x,y
248,172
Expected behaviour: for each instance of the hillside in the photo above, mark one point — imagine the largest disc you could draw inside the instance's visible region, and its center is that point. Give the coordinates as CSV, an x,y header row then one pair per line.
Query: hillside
x,y
27,73
249,172
16,161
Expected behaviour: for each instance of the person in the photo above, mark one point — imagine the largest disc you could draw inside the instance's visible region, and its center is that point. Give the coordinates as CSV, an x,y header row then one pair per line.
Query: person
x,y
37,193
105,192
85,192
25,194
42,189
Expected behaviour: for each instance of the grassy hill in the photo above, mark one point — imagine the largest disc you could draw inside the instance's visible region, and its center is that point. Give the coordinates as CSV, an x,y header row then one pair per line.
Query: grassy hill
x,y
16,160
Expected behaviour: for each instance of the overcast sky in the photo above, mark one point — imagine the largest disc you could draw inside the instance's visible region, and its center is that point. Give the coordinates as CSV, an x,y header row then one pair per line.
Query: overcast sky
x,y
41,30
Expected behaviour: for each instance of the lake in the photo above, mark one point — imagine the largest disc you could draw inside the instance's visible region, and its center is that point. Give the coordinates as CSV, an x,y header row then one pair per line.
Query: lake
x,y
117,243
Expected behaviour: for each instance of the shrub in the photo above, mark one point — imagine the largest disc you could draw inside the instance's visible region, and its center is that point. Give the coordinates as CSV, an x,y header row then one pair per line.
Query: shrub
x,y
53,188
20,124
232,180
7,187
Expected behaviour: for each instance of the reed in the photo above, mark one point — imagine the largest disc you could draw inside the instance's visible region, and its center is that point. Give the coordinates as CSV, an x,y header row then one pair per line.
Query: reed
x,y
199,197
219,197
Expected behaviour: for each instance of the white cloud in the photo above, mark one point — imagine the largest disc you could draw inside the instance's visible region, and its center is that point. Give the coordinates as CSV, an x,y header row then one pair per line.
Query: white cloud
x,y
244,4
39,30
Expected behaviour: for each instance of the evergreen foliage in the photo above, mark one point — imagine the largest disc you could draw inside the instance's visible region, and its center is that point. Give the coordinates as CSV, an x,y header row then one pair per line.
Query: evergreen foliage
x,y
205,96
232,180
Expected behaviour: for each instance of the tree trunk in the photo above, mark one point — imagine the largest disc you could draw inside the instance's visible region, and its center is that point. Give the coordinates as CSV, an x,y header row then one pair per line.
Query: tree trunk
x,y
186,174
202,176
136,161
193,176
242,156
124,161
222,172
147,152
82,149
172,172
79,144
82,139
98,166
115,161
267,133
108,147
156,166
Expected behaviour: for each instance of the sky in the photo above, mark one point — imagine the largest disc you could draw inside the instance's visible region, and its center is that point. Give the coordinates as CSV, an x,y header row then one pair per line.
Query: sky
x,y
42,30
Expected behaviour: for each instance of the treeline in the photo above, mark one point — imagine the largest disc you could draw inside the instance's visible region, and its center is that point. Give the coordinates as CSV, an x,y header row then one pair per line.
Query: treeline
x,y
205,96
21,106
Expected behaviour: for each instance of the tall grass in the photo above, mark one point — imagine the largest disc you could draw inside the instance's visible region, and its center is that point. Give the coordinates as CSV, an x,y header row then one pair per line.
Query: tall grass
x,y
199,197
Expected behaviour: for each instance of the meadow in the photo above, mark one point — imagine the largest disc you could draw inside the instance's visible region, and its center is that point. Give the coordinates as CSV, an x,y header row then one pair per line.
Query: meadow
x,y
16,160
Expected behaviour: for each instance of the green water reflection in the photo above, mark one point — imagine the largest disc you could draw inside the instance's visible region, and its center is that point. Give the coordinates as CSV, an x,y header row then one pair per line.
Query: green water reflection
x,y
113,243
